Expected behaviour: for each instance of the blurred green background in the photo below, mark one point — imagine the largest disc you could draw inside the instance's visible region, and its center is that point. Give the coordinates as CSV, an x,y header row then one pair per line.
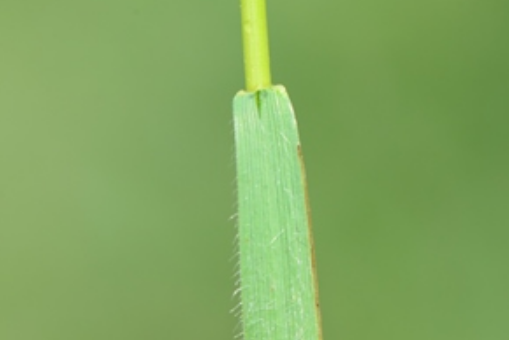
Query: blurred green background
x,y
117,170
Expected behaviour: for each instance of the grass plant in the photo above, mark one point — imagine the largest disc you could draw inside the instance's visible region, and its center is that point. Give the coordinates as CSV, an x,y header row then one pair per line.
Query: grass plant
x,y
278,283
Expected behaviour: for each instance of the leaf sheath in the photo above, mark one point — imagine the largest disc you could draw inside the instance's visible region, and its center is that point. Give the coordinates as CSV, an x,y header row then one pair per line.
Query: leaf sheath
x,y
277,274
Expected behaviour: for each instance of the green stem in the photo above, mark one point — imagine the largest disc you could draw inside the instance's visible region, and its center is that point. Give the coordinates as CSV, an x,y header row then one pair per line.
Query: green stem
x,y
256,45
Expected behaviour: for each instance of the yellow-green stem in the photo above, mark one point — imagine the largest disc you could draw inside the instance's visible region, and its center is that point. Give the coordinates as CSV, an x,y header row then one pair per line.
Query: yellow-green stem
x,y
256,45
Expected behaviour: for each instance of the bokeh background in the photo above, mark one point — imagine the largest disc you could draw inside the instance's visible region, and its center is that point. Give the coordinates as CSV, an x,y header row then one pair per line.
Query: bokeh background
x,y
117,175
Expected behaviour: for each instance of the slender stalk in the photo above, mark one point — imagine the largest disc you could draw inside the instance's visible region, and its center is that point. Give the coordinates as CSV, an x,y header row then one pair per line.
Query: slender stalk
x,y
256,45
